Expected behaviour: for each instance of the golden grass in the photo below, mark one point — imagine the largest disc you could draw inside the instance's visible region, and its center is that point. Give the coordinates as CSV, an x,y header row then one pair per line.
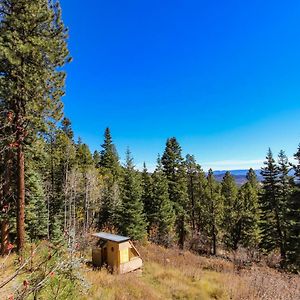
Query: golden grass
x,y
176,274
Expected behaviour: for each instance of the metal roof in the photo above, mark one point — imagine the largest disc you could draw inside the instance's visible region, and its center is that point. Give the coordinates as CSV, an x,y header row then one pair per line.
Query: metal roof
x,y
111,237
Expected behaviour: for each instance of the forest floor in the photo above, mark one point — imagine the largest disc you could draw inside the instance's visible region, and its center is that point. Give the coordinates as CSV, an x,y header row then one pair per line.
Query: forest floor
x,y
175,274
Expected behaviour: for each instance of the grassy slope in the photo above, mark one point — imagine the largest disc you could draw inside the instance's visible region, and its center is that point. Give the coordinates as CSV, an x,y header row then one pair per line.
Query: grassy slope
x,y
173,274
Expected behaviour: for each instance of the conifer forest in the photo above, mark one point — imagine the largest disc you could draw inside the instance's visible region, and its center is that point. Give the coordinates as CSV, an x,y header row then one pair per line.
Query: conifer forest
x,y
54,192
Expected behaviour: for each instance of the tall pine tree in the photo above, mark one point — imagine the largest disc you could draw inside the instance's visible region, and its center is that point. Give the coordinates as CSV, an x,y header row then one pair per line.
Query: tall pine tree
x,y
32,51
272,209
213,208
132,221
162,212
147,196
293,244
111,171
174,169
248,195
109,159
232,221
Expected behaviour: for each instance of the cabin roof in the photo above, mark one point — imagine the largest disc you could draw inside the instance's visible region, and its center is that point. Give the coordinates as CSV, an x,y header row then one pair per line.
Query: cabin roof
x,y
111,237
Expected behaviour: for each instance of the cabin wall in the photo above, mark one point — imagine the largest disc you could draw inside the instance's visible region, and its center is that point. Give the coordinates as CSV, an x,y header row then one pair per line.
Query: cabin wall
x,y
96,257
112,254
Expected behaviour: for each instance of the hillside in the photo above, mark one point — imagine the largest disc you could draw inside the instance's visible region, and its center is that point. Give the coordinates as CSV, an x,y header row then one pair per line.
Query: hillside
x,y
172,274
239,175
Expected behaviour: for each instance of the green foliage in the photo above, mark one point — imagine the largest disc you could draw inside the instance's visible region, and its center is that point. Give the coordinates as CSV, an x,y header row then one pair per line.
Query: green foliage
x,y
36,213
252,178
162,212
132,221
293,208
213,210
196,191
62,158
56,236
232,223
147,196
32,51
109,160
249,214
96,158
84,157
174,169
273,204
110,209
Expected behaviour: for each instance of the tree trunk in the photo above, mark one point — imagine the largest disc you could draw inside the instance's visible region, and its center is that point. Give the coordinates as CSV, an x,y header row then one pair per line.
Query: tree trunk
x,y
214,240
6,202
4,236
193,203
20,200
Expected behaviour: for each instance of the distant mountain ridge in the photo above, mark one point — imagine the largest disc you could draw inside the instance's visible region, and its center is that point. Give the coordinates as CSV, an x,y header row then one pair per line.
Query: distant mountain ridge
x,y
239,175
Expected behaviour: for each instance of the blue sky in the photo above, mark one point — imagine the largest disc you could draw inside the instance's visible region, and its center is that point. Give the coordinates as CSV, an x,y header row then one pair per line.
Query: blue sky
x,y
221,76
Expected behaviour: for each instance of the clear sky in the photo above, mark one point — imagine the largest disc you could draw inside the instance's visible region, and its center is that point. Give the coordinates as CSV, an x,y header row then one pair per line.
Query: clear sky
x,y
221,76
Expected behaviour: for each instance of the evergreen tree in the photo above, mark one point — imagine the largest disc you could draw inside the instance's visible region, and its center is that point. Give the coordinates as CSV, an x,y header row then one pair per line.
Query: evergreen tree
x,y
96,158
110,209
193,187
213,210
61,159
109,159
250,215
162,213
232,221
85,163
252,178
200,211
285,189
32,51
147,196
111,171
67,128
272,223
36,217
293,244
132,222
174,169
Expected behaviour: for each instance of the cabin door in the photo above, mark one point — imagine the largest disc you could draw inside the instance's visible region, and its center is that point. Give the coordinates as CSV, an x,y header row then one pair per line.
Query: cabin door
x,y
104,256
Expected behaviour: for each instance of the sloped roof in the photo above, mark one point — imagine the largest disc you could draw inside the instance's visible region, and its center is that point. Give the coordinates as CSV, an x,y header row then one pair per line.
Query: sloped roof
x,y
111,237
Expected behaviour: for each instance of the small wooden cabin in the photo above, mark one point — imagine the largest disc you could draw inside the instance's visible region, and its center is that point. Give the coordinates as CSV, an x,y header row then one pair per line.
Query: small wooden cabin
x,y
116,252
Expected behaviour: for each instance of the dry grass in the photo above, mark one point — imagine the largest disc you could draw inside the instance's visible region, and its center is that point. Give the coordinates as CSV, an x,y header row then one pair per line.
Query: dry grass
x,y
175,274
7,268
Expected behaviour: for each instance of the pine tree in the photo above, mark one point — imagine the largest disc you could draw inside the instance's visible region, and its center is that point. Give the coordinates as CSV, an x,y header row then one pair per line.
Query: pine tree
x,y
162,213
61,159
193,187
232,219
252,178
250,215
109,159
200,211
147,196
32,51
285,190
36,217
174,169
110,209
85,163
293,244
132,222
272,223
213,210
67,128
96,158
